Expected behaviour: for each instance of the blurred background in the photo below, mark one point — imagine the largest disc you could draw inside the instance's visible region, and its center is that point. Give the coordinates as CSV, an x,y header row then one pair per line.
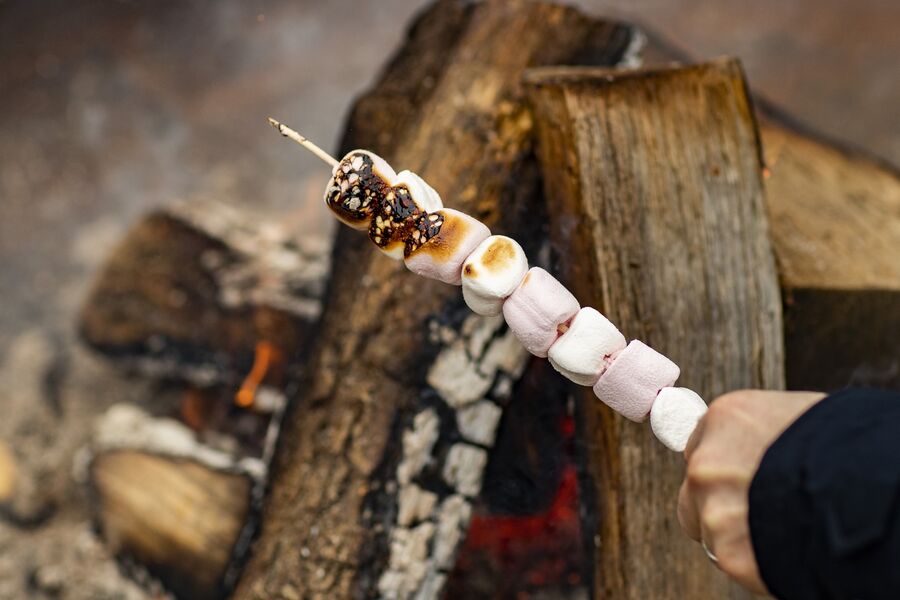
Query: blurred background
x,y
111,108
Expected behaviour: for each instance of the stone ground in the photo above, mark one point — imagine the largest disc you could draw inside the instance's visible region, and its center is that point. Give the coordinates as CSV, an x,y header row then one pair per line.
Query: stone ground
x,y
108,109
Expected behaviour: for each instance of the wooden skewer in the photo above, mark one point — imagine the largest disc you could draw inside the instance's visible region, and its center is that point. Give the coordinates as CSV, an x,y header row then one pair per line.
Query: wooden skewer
x,y
293,135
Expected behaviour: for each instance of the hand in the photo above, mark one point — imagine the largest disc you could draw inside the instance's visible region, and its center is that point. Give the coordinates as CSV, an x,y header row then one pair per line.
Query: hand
x,y
722,457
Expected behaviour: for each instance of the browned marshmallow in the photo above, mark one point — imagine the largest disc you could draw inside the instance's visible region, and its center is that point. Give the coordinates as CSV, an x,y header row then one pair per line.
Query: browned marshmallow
x,y
439,252
491,273
395,222
358,184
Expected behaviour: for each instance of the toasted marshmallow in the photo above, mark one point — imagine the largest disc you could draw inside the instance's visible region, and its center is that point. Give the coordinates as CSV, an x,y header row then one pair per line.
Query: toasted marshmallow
x,y
358,184
637,374
674,416
537,308
491,273
425,197
585,349
380,167
440,255
396,221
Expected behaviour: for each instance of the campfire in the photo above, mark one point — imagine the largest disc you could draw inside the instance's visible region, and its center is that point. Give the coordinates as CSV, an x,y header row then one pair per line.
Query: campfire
x,y
326,425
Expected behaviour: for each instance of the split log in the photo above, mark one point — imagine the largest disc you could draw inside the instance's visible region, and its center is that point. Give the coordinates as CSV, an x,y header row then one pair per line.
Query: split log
x,y
658,217
835,221
178,518
834,216
192,289
163,497
385,450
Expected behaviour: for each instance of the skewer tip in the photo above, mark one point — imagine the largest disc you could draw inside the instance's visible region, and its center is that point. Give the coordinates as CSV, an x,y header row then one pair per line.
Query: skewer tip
x,y
293,135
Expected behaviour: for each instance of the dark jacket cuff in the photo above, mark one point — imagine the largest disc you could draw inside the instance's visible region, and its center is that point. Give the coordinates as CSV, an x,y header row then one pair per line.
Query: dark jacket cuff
x,y
824,501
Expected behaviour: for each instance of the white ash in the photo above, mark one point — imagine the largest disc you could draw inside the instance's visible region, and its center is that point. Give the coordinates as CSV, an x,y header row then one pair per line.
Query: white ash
x,y
478,422
506,354
465,370
452,521
161,367
432,586
391,584
268,400
439,333
479,357
409,562
127,427
409,547
480,330
456,377
631,58
503,388
418,444
464,467
274,268
414,504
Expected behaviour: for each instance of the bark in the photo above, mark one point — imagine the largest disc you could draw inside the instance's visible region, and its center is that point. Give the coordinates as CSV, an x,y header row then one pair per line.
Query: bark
x,y
384,452
835,218
192,289
653,180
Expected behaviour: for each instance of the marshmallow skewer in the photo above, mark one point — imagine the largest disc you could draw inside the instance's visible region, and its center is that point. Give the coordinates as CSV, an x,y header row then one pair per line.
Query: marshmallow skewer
x,y
406,219
293,135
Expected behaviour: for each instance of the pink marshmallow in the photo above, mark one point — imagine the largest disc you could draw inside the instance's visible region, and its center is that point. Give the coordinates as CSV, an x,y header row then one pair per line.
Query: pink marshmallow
x,y
442,256
630,384
538,306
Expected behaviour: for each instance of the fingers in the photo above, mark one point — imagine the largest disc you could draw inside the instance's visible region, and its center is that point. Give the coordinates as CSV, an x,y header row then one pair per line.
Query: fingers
x,y
721,457
694,440
688,515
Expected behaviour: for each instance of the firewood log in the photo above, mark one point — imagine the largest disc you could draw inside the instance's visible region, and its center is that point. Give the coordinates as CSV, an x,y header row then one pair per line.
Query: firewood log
x,y
834,216
178,518
835,223
192,289
379,462
658,218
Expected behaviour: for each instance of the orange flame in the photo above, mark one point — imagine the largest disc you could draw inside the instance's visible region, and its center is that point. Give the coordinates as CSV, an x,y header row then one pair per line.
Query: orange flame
x,y
262,360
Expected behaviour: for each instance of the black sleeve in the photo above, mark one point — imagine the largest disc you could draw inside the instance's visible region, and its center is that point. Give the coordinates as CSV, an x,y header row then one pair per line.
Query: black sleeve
x,y
825,502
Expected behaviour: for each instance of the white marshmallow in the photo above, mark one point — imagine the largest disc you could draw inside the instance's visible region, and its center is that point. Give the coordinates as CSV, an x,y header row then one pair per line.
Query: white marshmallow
x,y
582,353
491,273
425,197
674,416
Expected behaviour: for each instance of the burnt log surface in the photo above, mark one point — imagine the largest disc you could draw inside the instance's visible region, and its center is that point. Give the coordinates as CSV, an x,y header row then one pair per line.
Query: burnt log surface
x,y
658,217
191,290
390,387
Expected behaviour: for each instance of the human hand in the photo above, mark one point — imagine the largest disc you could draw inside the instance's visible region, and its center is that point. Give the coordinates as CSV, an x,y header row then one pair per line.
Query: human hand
x,y
722,457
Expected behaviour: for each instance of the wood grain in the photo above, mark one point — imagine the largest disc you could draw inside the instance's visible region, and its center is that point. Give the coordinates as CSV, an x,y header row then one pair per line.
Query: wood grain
x,y
449,107
834,215
190,290
835,218
180,519
653,180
